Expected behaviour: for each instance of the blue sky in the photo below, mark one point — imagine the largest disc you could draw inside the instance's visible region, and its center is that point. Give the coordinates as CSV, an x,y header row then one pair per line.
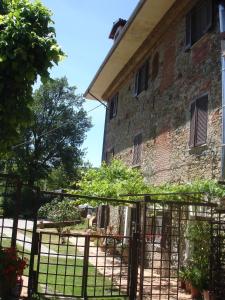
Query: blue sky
x,y
82,29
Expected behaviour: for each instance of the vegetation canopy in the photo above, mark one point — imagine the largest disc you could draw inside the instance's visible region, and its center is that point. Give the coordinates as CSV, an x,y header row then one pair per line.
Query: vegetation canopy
x,y
28,48
110,181
116,179
54,139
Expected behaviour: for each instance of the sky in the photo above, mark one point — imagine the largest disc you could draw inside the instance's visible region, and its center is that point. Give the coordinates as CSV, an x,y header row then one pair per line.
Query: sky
x,y
82,30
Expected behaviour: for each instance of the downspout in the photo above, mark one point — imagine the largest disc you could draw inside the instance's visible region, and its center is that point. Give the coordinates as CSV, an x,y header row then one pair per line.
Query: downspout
x,y
222,30
103,145
104,133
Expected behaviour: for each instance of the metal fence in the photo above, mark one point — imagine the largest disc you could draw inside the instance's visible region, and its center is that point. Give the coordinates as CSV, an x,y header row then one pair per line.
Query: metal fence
x,y
83,266
165,244
144,265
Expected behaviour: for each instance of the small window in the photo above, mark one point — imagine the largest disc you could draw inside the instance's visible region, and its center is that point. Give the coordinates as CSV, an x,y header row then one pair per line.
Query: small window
x,y
109,156
141,79
198,122
198,22
113,107
137,149
155,66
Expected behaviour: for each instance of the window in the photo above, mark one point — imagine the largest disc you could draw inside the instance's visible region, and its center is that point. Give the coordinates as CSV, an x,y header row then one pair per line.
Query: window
x,y
155,66
198,22
113,107
109,155
141,79
137,149
103,216
198,122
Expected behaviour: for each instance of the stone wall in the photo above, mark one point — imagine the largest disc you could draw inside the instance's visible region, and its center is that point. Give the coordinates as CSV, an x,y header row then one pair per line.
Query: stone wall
x,y
162,112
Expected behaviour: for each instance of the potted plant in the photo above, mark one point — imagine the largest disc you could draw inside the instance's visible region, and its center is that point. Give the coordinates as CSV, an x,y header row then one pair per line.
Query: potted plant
x,y
198,235
11,271
183,277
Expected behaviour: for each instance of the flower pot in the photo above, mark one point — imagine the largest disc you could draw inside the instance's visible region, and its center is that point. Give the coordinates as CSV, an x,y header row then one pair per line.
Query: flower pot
x,y
16,291
182,284
208,295
11,293
195,293
187,286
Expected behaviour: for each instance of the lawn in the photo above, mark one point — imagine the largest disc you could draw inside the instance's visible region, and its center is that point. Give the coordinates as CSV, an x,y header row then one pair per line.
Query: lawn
x,y
60,275
65,276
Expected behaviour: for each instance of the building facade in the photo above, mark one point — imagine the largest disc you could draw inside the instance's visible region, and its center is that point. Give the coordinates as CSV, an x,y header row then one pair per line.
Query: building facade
x,y
164,102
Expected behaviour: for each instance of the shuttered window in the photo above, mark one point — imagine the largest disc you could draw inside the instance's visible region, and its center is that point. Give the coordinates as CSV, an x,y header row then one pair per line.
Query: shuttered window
x,y
113,104
198,122
141,79
103,216
137,149
109,155
198,22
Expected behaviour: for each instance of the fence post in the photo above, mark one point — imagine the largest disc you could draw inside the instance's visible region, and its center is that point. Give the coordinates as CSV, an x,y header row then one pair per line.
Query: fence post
x,y
34,244
142,245
133,266
85,267
16,214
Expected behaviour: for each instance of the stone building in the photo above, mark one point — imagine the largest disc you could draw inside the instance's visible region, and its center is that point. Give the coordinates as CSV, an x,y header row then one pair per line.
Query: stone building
x,y
162,81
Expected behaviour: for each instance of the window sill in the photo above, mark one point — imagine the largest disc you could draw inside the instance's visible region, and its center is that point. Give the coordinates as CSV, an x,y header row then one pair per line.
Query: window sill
x,y
198,149
137,166
195,44
142,93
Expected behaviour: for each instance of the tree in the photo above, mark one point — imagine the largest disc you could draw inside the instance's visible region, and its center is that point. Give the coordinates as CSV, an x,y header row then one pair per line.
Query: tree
x,y
28,48
56,135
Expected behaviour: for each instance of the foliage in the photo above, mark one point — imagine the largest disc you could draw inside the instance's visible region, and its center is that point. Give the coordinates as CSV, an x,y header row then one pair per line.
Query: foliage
x,y
197,191
110,181
56,135
116,179
28,48
59,211
11,266
197,270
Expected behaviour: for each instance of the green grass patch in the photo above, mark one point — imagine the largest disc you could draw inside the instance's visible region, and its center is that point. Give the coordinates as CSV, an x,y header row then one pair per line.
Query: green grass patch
x,y
66,277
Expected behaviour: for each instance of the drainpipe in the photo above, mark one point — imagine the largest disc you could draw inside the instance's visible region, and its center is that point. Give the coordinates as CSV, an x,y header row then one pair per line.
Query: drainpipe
x,y
222,30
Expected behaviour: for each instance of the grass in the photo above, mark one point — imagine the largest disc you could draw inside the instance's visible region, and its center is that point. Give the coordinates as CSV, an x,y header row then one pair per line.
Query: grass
x,y
53,243
65,276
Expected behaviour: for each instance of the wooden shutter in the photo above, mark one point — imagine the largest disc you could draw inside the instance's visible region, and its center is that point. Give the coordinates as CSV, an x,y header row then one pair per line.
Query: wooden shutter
x,y
115,100
188,31
201,120
192,126
111,109
137,149
103,216
136,84
109,155
155,66
146,68
208,15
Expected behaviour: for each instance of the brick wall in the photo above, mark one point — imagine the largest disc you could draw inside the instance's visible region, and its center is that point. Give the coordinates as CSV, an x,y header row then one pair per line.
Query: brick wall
x,y
161,113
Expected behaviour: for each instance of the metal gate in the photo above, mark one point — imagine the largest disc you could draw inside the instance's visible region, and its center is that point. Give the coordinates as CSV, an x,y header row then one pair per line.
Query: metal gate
x,y
166,243
144,265
80,268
